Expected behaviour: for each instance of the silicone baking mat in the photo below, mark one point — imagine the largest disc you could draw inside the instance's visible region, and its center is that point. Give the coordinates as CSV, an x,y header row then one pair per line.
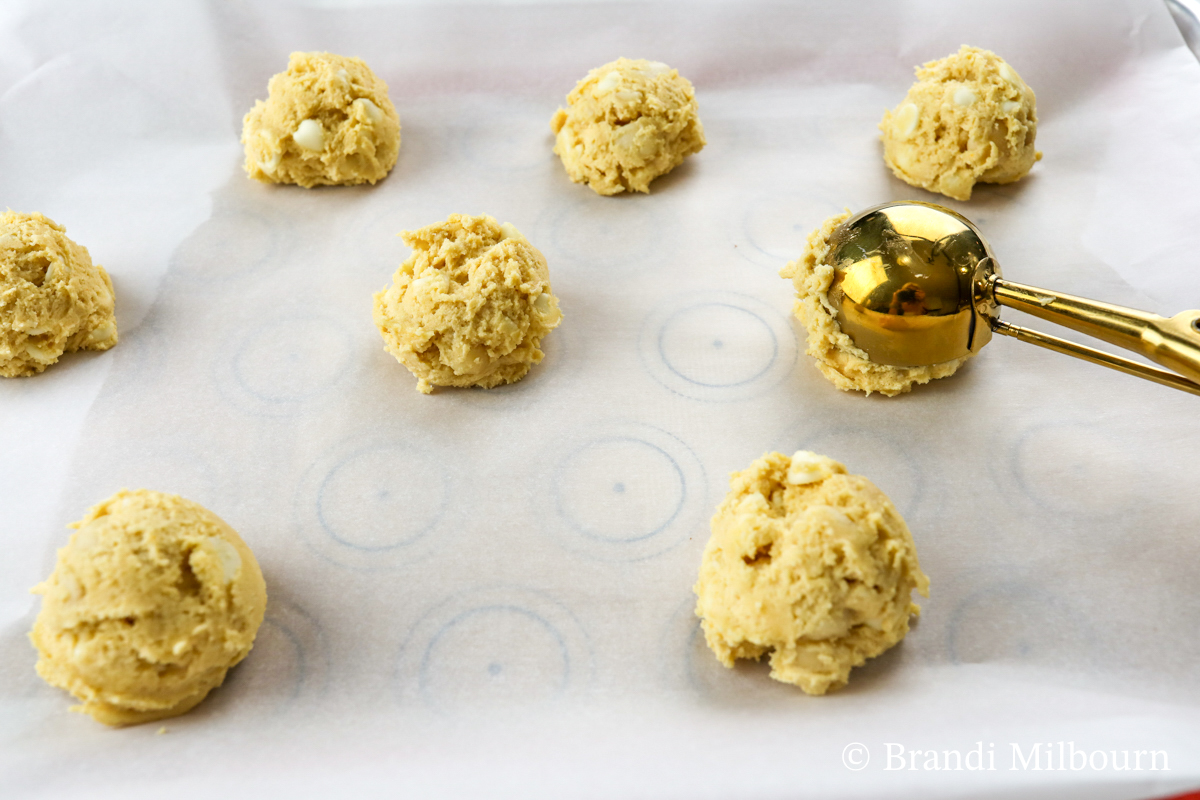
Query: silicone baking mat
x,y
488,593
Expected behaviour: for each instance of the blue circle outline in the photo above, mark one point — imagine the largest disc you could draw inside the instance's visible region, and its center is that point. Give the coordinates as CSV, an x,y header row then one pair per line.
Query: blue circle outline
x,y
441,510
301,659
1002,594
667,323
683,491
1031,489
504,607
340,373
651,347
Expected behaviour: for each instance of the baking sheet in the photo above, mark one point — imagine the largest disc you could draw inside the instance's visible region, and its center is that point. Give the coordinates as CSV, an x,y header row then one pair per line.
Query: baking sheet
x,y
489,593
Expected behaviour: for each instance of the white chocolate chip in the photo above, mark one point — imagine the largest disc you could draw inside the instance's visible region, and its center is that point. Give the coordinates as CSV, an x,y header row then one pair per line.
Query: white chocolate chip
x,y
964,96
1009,106
270,141
70,584
271,164
657,68
42,355
343,76
907,117
608,82
179,647
310,135
544,306
86,538
510,231
625,138
105,333
227,555
808,467
1006,72
430,284
633,140
907,158
629,96
373,112
507,328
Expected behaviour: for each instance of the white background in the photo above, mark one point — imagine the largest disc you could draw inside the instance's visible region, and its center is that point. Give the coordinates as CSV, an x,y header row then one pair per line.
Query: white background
x,y
489,593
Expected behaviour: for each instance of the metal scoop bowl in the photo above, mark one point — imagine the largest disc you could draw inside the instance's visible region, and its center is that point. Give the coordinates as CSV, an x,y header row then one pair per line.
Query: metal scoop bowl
x,y
917,284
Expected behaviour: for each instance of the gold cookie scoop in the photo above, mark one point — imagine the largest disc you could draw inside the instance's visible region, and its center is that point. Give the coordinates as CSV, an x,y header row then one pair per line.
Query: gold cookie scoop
x,y
917,284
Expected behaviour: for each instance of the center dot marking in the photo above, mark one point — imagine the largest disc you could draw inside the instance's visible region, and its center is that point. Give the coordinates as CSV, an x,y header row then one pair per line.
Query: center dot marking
x,y
618,488
717,343
494,669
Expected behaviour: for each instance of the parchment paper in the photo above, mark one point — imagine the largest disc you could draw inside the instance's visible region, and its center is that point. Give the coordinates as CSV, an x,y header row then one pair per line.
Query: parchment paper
x,y
489,593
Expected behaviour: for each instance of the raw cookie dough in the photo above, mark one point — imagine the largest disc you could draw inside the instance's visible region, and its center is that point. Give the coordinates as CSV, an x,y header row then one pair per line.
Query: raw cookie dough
x,y
969,118
809,564
152,600
625,124
470,306
839,360
327,120
53,299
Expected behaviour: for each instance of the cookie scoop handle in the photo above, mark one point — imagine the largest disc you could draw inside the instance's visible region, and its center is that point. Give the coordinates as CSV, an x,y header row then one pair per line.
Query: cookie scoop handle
x,y
1173,342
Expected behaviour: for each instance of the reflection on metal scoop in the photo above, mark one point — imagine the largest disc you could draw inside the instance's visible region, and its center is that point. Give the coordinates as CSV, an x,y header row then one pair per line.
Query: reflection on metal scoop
x,y
916,284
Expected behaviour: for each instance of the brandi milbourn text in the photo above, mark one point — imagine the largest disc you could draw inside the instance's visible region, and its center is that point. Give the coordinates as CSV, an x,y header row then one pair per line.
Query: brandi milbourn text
x,y
1042,756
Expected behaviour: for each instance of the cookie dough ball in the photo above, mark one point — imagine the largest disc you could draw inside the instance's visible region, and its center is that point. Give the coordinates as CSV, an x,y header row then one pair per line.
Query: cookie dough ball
x,y
969,118
470,306
53,299
152,600
625,124
327,120
810,565
839,360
